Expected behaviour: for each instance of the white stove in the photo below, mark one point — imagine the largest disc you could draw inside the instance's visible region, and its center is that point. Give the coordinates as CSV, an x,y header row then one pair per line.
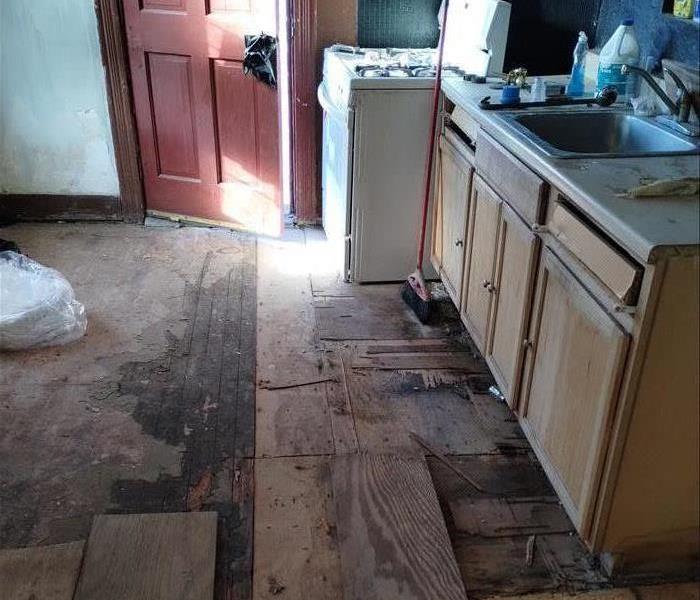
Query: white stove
x,y
377,106
346,68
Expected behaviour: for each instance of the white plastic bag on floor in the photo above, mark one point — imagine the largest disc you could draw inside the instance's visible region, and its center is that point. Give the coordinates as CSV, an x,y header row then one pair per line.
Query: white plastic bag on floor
x,y
37,305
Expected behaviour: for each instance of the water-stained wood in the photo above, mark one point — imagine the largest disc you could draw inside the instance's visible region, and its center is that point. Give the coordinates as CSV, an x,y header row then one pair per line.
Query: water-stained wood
x,y
393,540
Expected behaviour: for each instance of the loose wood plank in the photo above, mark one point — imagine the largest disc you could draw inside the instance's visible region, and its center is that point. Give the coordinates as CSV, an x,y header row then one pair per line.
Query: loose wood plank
x,y
296,553
455,361
393,540
41,572
157,556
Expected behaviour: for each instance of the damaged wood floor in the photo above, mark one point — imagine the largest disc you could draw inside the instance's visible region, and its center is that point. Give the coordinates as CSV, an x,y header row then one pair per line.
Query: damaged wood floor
x,y
224,373
153,410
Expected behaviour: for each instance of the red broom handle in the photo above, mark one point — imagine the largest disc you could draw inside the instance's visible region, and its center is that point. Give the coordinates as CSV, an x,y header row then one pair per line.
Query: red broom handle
x,y
433,126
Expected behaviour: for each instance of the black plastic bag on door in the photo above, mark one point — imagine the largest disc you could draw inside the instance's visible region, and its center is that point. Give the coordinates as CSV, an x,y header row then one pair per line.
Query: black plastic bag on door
x,y
260,59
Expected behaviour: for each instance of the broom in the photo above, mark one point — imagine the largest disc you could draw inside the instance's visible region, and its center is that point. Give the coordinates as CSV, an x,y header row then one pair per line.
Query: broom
x,y
415,292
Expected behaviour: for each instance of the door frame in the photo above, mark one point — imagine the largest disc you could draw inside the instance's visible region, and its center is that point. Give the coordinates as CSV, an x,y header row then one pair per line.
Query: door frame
x,y
303,34
127,152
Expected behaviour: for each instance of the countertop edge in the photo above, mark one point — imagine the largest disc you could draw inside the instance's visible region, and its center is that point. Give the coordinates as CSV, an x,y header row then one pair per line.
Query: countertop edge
x,y
627,237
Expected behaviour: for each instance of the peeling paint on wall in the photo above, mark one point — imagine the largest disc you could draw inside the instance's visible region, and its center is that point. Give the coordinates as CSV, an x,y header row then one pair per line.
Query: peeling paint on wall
x,y
55,135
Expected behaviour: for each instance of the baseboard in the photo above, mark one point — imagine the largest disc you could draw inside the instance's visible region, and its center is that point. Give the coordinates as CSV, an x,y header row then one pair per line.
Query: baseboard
x,y
58,207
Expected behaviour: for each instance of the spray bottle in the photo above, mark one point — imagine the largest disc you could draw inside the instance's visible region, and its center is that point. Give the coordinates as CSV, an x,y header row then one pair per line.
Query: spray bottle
x,y
577,81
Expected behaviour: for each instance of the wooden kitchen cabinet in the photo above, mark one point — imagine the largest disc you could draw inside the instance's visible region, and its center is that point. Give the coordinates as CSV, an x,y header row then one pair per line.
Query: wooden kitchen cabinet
x,y
485,213
455,173
575,361
516,262
595,347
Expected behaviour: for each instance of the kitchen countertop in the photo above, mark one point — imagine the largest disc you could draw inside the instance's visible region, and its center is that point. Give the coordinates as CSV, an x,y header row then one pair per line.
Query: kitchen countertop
x,y
643,226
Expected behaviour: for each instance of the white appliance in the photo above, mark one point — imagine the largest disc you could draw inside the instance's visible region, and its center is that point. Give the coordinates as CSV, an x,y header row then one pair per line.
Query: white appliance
x,y
376,120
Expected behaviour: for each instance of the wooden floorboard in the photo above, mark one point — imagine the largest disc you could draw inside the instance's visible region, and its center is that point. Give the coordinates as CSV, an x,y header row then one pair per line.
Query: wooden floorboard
x,y
153,410
159,557
41,572
490,529
388,405
393,540
293,417
295,530
669,591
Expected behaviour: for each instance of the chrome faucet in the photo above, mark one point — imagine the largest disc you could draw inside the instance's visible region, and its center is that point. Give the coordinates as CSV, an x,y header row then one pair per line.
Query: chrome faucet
x,y
680,109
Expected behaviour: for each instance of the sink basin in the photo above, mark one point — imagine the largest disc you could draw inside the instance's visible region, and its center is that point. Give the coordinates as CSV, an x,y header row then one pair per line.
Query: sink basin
x,y
601,134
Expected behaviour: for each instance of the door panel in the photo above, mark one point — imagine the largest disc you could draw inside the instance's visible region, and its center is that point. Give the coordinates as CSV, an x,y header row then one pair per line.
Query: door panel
x,y
512,298
228,5
235,102
170,79
178,5
575,368
209,135
481,255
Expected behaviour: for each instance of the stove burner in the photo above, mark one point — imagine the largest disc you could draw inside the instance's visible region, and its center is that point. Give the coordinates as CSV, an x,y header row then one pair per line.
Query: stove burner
x,y
383,71
397,70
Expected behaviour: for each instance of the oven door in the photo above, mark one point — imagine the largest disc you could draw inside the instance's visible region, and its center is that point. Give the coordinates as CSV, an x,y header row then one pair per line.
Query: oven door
x,y
336,175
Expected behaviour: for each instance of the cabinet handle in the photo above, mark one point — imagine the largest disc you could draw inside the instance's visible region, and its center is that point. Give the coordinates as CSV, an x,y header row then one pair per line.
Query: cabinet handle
x,y
485,284
491,288
537,228
527,344
459,243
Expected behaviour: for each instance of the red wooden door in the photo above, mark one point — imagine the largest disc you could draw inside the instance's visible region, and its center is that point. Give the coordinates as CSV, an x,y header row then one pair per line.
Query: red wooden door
x,y
209,135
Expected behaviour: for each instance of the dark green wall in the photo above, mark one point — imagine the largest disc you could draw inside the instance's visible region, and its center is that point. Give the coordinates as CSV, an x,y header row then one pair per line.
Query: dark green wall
x,y
397,23
543,32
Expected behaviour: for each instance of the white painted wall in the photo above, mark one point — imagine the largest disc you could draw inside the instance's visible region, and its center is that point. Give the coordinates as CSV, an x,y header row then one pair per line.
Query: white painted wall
x,y
55,135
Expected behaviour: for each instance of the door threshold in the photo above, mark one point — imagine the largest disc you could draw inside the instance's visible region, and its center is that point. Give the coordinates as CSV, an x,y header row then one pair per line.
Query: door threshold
x,y
187,220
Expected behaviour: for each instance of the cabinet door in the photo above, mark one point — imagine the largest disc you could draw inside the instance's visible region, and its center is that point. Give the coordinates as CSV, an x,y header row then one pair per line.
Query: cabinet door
x,y
575,364
481,253
455,182
512,298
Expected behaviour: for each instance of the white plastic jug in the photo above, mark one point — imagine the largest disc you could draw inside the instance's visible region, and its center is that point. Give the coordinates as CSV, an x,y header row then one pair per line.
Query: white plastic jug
x,y
622,49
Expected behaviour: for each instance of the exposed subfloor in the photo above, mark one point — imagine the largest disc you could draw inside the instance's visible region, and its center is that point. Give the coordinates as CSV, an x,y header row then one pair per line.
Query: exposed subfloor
x,y
226,373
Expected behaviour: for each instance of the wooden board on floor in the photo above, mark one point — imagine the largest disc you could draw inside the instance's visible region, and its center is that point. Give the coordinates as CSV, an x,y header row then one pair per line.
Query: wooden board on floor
x,y
493,567
157,556
41,572
292,417
388,405
515,476
490,529
376,312
296,554
393,540
339,405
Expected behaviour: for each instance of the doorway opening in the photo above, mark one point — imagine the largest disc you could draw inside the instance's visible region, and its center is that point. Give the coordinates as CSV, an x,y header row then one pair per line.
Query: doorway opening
x,y
197,138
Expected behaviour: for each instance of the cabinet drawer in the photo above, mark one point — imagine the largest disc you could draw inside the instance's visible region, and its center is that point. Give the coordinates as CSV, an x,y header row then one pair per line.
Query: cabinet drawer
x,y
518,185
618,273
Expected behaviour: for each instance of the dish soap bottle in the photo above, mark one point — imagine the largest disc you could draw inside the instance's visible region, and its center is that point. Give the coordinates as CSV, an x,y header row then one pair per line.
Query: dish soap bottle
x,y
577,81
622,49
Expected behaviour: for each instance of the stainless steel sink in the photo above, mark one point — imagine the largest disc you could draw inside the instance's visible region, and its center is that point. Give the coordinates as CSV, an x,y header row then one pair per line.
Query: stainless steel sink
x,y
599,134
